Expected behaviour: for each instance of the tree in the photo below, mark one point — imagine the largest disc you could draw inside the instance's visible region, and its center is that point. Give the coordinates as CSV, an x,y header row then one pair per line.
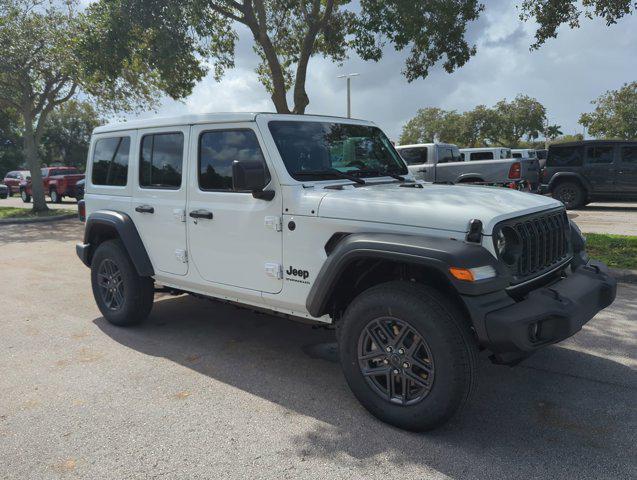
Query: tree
x,y
175,40
432,123
506,124
551,14
40,70
553,131
615,114
10,141
67,133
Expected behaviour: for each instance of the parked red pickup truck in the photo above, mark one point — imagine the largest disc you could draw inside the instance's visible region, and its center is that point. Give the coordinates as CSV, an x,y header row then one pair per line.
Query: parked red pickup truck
x,y
59,182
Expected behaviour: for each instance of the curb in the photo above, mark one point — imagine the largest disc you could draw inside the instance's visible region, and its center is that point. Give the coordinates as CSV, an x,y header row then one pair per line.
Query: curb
x,y
55,218
624,275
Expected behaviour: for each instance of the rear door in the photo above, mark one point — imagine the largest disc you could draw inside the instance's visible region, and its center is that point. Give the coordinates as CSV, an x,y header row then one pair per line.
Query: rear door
x,y
600,167
416,160
627,173
159,197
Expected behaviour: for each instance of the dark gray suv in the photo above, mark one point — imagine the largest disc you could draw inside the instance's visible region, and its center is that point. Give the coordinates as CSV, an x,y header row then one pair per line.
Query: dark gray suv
x,y
578,173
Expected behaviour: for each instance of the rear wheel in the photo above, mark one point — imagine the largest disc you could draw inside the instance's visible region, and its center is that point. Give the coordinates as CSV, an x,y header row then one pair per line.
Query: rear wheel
x,y
26,198
571,194
408,355
123,297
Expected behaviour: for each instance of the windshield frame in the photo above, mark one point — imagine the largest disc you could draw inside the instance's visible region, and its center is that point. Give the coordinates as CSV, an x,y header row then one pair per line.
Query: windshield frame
x,y
368,172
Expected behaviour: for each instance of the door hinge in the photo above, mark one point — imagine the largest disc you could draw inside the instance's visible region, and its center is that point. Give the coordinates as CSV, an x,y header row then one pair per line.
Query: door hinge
x,y
274,270
182,255
274,222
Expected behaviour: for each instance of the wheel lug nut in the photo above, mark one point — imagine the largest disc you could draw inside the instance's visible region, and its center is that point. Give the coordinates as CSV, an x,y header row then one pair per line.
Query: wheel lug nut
x,y
401,351
385,361
389,349
405,365
396,372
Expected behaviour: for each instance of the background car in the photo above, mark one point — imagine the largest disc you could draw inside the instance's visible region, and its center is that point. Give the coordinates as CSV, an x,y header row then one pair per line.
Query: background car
x,y
578,173
14,178
4,191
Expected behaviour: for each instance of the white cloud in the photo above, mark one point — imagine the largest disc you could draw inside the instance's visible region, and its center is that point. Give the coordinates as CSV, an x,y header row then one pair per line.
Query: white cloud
x,y
565,75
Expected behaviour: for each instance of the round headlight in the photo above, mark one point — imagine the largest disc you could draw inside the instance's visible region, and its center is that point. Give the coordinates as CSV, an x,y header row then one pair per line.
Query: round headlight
x,y
508,245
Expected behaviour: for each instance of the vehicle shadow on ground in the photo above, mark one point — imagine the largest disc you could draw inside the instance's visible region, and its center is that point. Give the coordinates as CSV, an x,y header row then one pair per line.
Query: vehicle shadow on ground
x,y
562,413
631,207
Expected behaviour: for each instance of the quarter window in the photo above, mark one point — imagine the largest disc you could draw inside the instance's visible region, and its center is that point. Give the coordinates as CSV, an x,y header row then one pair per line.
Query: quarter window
x,y
161,160
629,154
603,154
218,150
110,161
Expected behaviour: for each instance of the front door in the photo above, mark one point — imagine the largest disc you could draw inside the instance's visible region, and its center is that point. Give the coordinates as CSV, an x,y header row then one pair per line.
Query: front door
x,y
627,174
235,239
159,197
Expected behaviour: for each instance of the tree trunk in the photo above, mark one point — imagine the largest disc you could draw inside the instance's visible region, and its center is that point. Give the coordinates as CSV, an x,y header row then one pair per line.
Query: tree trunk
x,y
34,164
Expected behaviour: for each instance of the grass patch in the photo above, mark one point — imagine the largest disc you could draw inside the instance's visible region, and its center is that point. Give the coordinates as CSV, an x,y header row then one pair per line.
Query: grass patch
x,y
16,213
616,251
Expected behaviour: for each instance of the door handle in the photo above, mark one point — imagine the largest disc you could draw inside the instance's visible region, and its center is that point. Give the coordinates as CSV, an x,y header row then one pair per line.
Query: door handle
x,y
144,209
201,214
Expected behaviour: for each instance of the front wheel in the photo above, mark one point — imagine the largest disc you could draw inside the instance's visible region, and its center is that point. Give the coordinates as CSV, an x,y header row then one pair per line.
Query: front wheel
x,y
123,297
26,198
408,355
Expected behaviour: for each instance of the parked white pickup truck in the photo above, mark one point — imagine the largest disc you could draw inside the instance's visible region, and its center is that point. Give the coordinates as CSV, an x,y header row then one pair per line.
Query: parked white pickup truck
x,y
442,163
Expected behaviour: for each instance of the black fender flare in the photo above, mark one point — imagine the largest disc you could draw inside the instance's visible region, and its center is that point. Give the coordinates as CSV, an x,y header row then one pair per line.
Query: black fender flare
x,y
126,232
559,176
435,252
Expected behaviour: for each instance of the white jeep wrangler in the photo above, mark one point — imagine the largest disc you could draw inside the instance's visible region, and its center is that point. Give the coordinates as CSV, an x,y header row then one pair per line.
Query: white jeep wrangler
x,y
317,218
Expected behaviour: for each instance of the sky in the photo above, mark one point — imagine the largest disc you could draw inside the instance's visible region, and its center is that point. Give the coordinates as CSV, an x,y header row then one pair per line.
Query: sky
x,y
564,75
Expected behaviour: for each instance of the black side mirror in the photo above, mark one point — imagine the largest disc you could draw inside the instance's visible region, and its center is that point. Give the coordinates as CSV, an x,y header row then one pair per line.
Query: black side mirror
x,y
251,176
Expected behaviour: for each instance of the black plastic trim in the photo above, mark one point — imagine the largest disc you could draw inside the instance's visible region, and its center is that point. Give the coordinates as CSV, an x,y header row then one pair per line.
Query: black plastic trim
x,y
438,253
127,233
558,176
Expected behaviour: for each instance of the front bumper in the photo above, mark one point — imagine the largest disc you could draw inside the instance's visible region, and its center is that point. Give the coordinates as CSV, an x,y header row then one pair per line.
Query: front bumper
x,y
512,330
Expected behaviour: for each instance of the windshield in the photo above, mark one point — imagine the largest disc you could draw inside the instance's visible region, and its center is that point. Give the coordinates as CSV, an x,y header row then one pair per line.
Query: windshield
x,y
316,149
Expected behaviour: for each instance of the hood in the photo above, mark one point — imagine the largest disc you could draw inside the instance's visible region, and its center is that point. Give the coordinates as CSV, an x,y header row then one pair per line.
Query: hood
x,y
440,207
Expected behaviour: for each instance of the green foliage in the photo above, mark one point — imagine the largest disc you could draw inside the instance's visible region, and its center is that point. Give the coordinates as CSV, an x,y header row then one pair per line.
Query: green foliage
x,y
176,42
67,134
506,124
10,141
578,137
616,251
551,14
553,131
615,114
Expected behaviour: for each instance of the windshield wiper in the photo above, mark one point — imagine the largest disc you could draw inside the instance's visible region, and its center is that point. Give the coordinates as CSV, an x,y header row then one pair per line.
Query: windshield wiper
x,y
398,177
335,172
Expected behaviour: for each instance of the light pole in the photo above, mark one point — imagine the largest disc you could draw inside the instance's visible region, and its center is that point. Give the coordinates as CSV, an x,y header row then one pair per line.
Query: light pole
x,y
349,76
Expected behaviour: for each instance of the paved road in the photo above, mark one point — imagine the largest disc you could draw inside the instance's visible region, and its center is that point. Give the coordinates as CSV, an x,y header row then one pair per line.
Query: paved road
x,y
204,391
607,217
16,201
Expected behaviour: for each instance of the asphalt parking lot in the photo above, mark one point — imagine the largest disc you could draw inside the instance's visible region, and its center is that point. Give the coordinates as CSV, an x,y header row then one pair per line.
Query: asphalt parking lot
x,y
211,391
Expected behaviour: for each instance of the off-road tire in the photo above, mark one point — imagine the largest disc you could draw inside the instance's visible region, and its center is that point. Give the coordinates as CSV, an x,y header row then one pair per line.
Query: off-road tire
x,y
442,324
137,291
26,198
571,194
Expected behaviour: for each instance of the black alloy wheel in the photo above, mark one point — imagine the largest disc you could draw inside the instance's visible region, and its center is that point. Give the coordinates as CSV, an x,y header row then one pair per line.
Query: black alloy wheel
x,y
395,361
111,284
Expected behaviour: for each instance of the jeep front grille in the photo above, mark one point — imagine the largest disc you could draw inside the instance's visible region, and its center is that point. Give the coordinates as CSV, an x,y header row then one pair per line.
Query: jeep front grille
x,y
544,240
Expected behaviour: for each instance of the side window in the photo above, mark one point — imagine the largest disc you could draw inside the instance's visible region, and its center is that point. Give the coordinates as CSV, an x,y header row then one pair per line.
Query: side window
x,y
481,156
565,157
414,156
161,160
599,154
110,161
218,149
517,155
446,155
629,154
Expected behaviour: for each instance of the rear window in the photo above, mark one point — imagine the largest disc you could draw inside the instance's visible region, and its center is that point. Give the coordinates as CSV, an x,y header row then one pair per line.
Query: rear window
x,y
110,161
414,156
629,154
448,154
565,156
481,156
